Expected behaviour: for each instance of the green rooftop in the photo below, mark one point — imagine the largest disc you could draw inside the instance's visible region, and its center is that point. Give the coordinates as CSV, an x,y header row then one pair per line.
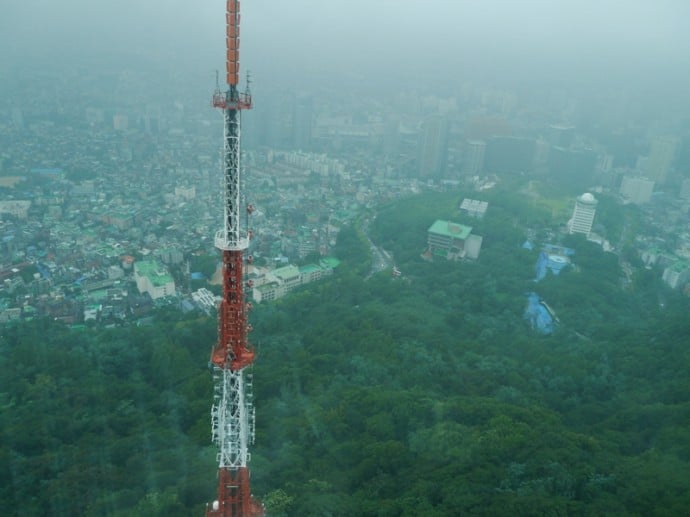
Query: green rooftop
x,y
286,272
155,272
450,229
309,268
330,262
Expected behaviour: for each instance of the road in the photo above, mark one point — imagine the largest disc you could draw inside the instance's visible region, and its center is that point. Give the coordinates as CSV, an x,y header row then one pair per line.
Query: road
x,y
380,258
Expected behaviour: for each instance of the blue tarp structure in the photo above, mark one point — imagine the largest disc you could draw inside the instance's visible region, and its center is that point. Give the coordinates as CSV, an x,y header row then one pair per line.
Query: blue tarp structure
x,y
541,266
552,258
538,315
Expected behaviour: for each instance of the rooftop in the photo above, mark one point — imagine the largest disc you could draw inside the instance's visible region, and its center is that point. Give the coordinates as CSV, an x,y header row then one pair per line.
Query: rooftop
x,y
450,229
156,273
286,272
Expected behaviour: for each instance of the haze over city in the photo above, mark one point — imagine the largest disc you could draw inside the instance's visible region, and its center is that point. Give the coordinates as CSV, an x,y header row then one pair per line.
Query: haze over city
x,y
414,44
438,251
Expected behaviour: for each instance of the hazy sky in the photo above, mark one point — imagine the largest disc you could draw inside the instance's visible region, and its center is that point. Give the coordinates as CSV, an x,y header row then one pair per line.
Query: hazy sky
x,y
411,42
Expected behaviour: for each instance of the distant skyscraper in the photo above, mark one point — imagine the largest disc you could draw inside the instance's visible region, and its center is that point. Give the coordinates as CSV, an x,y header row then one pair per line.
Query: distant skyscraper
x,y
637,190
391,136
509,155
662,153
433,148
120,122
301,123
152,118
572,168
685,190
583,214
473,162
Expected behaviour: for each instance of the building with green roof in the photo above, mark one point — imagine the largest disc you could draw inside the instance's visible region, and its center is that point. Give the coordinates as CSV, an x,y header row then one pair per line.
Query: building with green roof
x,y
153,277
452,240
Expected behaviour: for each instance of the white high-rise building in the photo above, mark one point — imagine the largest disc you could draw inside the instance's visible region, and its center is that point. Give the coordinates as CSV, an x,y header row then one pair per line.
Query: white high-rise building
x,y
662,152
433,149
684,190
583,214
637,190
474,157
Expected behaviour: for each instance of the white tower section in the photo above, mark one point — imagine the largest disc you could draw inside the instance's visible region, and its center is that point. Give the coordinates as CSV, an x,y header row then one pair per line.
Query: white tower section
x,y
232,417
229,237
583,214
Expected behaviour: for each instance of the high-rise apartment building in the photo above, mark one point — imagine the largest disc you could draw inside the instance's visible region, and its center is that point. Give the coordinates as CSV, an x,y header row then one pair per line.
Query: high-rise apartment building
x,y
583,214
662,153
473,162
433,149
637,190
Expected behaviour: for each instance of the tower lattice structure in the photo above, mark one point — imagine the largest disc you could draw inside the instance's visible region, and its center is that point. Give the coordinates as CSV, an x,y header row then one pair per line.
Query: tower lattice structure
x,y
232,413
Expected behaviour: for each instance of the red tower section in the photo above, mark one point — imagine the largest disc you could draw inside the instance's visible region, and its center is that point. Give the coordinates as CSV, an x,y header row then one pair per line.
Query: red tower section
x,y
232,350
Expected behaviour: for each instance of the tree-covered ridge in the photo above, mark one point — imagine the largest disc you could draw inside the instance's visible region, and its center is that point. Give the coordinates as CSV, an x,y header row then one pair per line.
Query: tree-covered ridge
x,y
103,422
422,395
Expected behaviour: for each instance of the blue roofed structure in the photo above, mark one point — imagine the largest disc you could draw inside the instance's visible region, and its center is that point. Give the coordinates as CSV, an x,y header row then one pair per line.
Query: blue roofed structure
x,y
538,315
552,258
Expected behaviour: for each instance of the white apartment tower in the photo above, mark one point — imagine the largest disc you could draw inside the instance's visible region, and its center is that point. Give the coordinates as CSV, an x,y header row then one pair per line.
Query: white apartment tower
x,y
583,214
474,157
637,190
662,152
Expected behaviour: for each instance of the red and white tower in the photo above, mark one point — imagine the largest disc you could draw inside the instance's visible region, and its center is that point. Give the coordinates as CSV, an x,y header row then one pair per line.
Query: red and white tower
x,y
232,414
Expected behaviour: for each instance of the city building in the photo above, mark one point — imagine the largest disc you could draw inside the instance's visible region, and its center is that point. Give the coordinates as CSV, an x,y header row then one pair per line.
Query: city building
x,y
205,300
15,208
474,208
583,214
572,168
433,149
452,241
662,153
509,155
280,281
473,162
685,189
677,274
153,278
636,190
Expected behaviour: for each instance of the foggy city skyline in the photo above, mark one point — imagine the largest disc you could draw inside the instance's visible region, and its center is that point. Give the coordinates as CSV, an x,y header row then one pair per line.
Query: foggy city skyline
x,y
626,44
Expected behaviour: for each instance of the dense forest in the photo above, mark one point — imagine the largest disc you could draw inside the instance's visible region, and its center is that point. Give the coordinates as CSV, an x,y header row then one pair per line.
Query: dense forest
x,y
422,395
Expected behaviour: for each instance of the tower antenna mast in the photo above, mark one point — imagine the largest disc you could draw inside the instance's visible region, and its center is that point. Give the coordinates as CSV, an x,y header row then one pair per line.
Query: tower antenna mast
x,y
232,413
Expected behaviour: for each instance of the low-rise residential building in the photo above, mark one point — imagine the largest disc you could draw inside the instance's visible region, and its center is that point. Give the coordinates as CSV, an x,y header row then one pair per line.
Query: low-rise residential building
x,y
205,300
677,274
15,208
279,282
474,208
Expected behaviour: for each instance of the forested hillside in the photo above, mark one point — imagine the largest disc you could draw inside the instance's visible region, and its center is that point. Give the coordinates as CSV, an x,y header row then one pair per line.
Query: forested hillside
x,y
425,395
